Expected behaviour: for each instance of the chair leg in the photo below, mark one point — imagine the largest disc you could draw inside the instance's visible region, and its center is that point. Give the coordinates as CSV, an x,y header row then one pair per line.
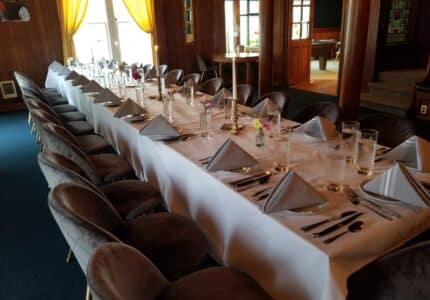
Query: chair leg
x,y
201,78
29,119
41,148
88,293
69,256
33,128
216,73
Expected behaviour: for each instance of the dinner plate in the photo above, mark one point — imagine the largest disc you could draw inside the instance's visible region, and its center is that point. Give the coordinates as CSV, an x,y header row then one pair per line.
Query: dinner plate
x,y
309,210
112,104
197,93
134,118
377,197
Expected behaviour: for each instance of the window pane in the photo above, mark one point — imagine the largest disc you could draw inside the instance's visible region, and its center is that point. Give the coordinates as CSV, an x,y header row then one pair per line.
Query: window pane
x,y
244,30
243,7
121,12
307,2
229,27
297,14
254,31
305,30
91,41
96,12
297,2
306,14
254,7
135,44
296,32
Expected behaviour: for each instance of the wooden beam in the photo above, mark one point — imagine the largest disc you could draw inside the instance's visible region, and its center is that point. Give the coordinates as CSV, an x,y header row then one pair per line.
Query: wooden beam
x,y
355,41
266,46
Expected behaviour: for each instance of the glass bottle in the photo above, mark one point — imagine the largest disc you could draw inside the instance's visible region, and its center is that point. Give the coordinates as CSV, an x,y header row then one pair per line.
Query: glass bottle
x,y
259,137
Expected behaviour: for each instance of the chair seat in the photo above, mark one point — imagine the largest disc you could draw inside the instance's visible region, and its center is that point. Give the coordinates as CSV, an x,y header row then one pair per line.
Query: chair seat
x,y
50,91
132,198
73,116
93,144
215,283
80,127
63,108
171,242
111,167
54,101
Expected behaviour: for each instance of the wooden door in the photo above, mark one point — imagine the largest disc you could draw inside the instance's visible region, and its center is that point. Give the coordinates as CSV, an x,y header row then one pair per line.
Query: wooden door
x,y
299,40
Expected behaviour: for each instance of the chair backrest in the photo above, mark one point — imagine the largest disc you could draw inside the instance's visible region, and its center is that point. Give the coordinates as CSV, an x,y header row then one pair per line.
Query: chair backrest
x,y
212,86
147,69
27,85
280,98
40,117
328,110
392,130
85,219
119,271
244,93
195,77
57,141
163,69
174,77
36,103
201,64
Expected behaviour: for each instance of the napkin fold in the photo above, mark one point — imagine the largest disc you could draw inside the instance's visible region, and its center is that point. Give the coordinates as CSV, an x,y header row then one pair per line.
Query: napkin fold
x,y
291,193
129,107
92,87
64,71
107,96
82,80
55,66
414,152
264,109
230,156
218,99
399,184
319,127
72,76
159,129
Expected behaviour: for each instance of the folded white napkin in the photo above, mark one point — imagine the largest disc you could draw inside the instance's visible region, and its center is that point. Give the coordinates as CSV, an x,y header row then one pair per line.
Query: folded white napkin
x,y
92,87
414,152
264,109
293,193
129,107
159,129
107,96
230,156
319,127
218,99
64,71
399,184
55,66
72,76
82,80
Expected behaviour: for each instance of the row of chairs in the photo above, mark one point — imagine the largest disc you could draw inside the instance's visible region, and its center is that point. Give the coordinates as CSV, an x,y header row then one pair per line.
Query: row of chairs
x,y
114,224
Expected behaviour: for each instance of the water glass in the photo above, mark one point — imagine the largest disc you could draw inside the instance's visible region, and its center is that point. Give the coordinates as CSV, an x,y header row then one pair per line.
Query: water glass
x,y
366,151
189,90
350,136
334,165
275,124
139,95
283,151
227,107
205,123
168,108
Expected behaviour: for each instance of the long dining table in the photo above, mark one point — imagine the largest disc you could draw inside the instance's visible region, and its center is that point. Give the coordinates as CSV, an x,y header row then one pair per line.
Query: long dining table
x,y
269,247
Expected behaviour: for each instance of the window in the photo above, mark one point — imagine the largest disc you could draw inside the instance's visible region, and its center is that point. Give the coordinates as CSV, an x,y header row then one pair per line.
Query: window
x,y
301,19
242,23
109,31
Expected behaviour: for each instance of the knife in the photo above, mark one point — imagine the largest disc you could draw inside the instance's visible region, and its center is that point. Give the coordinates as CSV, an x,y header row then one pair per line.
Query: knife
x,y
250,179
336,226
339,217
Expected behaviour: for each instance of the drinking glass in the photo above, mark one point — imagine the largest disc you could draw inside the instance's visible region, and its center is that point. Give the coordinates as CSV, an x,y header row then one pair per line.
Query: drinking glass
x,y
205,123
283,151
275,123
366,151
334,165
189,90
168,108
350,135
139,95
227,107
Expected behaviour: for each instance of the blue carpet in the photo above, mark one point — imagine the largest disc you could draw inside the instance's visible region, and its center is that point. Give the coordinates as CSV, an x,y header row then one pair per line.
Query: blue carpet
x,y
32,249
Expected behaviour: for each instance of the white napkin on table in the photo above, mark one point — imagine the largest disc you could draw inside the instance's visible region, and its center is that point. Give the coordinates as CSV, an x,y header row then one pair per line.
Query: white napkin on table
x,y
55,66
92,87
399,184
230,156
415,152
72,76
64,71
82,80
159,129
319,127
129,107
291,193
264,108
107,96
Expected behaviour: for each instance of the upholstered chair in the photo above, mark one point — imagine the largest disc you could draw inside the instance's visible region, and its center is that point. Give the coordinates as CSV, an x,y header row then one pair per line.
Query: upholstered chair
x,y
328,110
153,72
212,86
100,168
195,77
205,67
172,242
35,102
163,69
403,274
118,271
147,68
392,130
174,77
244,93
280,98
131,198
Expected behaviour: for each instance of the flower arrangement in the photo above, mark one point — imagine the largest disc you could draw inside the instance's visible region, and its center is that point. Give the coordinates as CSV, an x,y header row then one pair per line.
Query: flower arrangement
x,y
208,105
135,73
260,123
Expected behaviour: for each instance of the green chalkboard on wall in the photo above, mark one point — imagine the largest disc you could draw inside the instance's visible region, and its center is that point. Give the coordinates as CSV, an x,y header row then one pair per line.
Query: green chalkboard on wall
x,y
328,13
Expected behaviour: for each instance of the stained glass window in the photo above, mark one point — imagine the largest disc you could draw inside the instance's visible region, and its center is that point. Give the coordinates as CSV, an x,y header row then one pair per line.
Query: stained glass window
x,y
398,20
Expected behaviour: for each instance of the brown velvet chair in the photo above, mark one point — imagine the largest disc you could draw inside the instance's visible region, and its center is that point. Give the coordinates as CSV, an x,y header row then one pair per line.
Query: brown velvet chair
x,y
280,98
118,271
153,72
212,86
195,77
392,130
131,198
204,68
244,93
172,242
328,110
99,168
163,69
147,69
174,77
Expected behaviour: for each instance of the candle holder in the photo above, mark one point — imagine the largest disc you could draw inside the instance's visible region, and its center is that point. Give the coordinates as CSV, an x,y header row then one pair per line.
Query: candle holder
x,y
236,128
160,91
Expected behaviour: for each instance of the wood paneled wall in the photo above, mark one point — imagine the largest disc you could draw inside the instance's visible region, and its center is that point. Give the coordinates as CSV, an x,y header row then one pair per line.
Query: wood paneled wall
x,y
326,33
209,30
30,47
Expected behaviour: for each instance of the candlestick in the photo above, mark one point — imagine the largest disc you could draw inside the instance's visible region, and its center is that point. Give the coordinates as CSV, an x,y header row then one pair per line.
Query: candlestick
x,y
157,65
234,78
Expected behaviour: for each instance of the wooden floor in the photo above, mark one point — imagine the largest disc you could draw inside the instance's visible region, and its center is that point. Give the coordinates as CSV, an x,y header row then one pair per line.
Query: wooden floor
x,y
323,82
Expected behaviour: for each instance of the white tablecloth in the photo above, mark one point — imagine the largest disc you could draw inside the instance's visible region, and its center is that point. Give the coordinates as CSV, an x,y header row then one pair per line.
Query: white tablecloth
x,y
269,247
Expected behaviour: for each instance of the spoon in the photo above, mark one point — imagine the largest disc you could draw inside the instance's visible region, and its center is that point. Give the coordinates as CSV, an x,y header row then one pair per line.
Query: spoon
x,y
354,227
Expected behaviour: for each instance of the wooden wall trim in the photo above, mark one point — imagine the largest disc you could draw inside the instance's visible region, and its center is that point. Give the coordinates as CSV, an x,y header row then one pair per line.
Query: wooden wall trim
x,y
266,47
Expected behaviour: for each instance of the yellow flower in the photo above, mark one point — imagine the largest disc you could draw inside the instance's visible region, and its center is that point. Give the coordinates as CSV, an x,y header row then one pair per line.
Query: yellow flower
x,y
256,123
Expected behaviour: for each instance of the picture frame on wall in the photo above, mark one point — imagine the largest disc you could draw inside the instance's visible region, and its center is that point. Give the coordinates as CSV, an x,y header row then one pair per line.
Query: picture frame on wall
x,y
8,89
189,21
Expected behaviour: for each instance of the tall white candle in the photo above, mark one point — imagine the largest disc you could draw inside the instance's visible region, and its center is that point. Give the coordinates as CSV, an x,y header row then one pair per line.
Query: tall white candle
x,y
157,65
234,78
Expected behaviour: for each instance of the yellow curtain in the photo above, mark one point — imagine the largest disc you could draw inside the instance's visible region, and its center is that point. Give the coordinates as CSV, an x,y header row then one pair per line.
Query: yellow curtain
x,y
142,12
71,14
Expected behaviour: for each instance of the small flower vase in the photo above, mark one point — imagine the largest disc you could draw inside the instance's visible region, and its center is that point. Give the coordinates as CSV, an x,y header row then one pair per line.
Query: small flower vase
x,y
259,137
